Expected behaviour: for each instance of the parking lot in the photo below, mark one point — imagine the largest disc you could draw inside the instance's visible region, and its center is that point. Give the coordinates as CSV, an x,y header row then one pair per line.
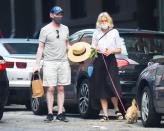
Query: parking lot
x,y
17,118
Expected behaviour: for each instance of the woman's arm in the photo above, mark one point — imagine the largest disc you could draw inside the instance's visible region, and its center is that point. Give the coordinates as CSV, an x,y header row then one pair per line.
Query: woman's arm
x,y
116,51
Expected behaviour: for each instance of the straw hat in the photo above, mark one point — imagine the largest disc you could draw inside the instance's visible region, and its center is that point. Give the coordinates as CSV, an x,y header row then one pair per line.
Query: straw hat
x,y
79,52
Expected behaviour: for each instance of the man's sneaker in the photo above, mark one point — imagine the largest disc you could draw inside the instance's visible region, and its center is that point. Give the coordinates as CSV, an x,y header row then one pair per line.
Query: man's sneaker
x,y
49,118
61,117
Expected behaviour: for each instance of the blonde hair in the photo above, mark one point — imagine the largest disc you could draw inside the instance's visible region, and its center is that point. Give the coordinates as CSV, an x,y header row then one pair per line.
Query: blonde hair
x,y
109,20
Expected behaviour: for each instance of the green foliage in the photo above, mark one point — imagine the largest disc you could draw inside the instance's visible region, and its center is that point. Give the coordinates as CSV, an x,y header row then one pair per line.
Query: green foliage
x,y
93,53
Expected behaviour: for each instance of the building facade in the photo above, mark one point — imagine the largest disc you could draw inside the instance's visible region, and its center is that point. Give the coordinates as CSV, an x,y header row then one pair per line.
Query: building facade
x,y
24,18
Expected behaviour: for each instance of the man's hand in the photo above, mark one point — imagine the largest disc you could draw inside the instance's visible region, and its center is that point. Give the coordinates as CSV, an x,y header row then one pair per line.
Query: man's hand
x,y
107,52
38,57
36,68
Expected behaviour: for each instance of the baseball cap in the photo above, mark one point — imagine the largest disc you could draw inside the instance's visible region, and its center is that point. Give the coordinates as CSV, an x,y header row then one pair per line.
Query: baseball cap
x,y
56,10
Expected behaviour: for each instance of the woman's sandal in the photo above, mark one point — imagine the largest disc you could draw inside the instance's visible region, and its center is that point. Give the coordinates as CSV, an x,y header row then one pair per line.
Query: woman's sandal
x,y
104,119
119,115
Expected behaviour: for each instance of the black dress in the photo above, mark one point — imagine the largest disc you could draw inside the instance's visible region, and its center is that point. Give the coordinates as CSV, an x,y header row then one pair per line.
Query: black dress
x,y
101,84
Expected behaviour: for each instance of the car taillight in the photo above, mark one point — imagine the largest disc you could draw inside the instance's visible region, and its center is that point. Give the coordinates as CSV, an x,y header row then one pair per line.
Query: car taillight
x,y
2,67
9,64
21,65
122,63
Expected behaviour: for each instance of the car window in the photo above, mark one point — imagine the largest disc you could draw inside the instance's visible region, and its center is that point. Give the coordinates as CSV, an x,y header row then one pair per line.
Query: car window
x,y
75,38
131,44
135,47
21,48
155,45
143,49
87,38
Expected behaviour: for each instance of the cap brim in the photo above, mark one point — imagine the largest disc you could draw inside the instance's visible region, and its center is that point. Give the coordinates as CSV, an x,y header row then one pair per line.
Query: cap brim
x,y
61,12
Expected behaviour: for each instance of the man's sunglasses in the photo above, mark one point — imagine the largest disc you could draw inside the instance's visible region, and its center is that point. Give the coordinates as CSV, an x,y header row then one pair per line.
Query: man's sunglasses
x,y
57,32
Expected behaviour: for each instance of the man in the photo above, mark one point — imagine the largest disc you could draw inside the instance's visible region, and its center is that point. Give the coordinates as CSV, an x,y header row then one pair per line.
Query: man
x,y
53,44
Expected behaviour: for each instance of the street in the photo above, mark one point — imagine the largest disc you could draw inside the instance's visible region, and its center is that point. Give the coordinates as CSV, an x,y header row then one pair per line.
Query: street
x,y
17,118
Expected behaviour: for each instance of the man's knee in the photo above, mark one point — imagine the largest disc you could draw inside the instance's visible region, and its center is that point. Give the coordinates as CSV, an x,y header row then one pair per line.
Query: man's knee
x,y
60,89
50,90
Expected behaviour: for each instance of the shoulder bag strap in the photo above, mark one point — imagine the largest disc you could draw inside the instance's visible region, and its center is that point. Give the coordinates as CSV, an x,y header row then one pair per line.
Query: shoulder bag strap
x,y
105,34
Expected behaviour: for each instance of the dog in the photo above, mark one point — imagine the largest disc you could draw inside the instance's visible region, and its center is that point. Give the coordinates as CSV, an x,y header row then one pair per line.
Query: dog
x,y
132,113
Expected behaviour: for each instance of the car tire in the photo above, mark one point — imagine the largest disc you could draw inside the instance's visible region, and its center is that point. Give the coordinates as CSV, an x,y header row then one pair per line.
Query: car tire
x,y
149,117
38,106
84,101
1,112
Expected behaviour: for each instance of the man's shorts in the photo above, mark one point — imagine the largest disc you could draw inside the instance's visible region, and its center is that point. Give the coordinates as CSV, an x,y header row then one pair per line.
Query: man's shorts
x,y
56,73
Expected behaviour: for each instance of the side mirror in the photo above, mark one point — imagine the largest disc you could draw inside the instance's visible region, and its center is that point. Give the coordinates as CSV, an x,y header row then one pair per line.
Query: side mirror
x,y
150,63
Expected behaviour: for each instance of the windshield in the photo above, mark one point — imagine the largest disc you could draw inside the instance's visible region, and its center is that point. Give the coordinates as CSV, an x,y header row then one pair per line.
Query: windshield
x,y
21,48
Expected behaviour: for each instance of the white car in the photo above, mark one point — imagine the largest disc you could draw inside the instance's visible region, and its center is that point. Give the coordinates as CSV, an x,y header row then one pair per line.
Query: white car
x,y
19,55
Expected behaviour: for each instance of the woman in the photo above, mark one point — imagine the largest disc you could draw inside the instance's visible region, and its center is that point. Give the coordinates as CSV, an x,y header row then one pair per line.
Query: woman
x,y
106,41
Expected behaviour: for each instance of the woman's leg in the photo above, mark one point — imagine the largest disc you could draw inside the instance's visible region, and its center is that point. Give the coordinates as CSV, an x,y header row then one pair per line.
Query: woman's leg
x,y
117,111
104,104
115,103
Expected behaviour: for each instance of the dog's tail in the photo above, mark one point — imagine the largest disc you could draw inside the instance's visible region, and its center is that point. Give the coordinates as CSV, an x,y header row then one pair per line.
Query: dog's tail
x,y
134,103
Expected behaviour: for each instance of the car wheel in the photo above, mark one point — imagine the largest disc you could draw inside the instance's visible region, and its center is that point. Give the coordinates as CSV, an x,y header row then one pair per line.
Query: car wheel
x,y
149,116
38,106
1,112
84,101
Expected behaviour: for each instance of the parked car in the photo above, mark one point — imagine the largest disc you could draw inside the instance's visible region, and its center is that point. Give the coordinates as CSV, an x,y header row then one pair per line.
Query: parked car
x,y
19,55
150,92
140,46
4,86
1,34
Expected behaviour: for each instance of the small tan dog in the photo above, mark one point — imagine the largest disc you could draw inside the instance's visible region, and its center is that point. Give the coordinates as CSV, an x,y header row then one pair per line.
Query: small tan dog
x,y
132,113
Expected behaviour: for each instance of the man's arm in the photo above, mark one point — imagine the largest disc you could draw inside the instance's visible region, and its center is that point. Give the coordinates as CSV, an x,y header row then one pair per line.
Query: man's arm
x,y
39,53
39,56
67,44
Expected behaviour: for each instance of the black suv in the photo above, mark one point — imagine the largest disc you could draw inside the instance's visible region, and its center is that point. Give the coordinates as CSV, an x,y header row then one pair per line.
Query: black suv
x,y
4,86
140,46
150,92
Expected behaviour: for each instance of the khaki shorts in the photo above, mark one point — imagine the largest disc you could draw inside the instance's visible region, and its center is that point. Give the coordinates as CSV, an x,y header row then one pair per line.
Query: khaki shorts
x,y
56,73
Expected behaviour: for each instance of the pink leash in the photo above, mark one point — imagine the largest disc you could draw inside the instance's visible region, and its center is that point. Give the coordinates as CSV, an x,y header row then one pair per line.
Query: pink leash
x,y
113,84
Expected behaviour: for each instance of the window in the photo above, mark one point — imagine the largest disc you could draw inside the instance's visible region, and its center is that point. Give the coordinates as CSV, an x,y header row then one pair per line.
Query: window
x,y
111,6
155,46
46,6
143,49
21,48
78,9
74,38
134,44
87,38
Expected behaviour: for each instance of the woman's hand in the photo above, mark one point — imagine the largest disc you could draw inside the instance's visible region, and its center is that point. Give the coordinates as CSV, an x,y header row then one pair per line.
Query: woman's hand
x,y
97,49
107,52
